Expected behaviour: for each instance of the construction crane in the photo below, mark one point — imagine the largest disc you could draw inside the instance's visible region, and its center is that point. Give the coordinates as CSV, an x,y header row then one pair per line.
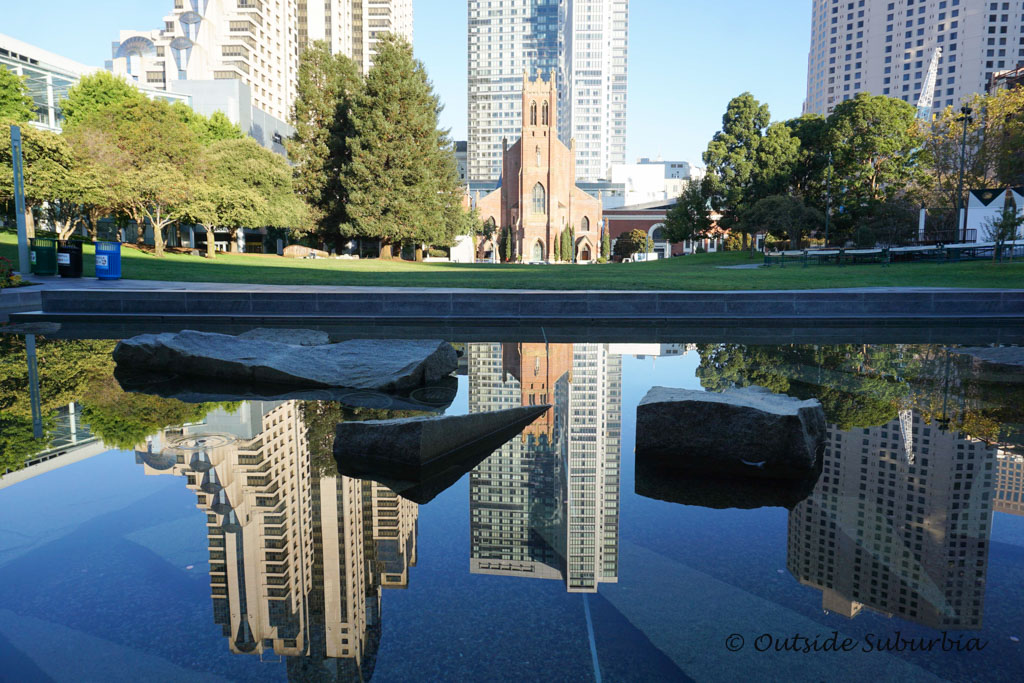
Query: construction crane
x,y
927,99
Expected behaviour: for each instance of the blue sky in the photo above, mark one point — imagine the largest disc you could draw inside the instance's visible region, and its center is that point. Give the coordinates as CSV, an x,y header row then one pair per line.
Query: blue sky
x,y
687,58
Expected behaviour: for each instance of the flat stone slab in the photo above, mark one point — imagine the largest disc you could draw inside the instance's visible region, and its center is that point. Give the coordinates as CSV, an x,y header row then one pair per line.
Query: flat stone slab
x,y
286,336
392,365
419,457
749,432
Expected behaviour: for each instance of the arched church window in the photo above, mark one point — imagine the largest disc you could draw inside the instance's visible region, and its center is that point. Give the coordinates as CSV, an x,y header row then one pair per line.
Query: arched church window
x,y
544,114
539,199
585,224
533,113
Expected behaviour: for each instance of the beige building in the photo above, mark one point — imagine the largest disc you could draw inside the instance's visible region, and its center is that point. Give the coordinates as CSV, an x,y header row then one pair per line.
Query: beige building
x,y
538,198
1009,494
297,562
257,42
884,47
900,533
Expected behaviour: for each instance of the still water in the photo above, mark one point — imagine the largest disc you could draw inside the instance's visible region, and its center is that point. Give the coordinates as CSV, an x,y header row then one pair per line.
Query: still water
x,y
151,539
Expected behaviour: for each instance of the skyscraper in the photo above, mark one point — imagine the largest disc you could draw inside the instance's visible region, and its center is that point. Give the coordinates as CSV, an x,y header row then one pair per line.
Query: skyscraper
x,y
583,42
885,46
546,505
899,534
257,42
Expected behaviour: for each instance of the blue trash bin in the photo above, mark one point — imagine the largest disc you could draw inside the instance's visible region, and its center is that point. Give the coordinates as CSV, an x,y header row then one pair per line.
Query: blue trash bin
x,y
108,260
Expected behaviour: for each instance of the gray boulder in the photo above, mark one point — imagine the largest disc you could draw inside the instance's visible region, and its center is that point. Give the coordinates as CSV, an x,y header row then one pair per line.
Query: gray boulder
x,y
750,432
392,365
419,457
283,336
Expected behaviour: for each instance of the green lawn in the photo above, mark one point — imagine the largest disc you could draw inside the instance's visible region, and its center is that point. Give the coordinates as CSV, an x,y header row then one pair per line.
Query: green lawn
x,y
698,272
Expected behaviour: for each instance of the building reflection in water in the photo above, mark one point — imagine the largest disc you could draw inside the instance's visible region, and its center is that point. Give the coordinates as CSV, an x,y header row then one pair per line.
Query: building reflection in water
x,y
546,505
297,560
899,523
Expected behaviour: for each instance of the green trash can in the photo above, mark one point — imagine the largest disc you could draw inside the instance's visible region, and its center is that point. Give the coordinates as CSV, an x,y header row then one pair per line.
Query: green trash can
x,y
69,258
43,255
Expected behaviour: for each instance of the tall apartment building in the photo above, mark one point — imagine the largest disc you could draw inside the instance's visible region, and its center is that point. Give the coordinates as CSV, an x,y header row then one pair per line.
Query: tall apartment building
x,y
254,42
1009,493
546,505
352,27
885,47
297,561
904,534
583,42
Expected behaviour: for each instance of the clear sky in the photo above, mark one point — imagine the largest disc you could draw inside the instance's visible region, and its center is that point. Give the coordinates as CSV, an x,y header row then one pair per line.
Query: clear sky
x,y
687,58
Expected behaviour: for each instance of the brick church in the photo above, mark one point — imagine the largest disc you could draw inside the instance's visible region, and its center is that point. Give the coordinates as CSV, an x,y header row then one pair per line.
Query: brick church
x,y
538,198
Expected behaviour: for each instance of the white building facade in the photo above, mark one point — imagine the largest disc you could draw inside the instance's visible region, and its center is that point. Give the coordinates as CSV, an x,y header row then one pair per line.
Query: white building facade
x,y
885,46
583,42
257,42
653,180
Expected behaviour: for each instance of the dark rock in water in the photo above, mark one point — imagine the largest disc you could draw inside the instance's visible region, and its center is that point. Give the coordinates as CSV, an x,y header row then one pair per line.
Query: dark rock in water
x,y
749,432
433,397
420,457
283,336
711,491
381,365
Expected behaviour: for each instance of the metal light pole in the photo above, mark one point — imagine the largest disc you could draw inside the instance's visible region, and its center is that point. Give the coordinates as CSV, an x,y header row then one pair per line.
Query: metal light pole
x,y
24,267
828,198
961,223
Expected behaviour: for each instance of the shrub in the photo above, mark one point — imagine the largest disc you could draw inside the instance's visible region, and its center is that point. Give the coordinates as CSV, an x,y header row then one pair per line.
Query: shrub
x,y
439,253
8,278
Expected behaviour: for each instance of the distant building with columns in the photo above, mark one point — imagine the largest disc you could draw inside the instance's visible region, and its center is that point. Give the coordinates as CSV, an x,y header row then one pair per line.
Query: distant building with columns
x,y
537,198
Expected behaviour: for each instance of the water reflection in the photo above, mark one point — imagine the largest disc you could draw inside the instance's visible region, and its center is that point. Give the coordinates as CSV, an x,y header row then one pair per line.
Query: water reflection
x,y
298,556
899,533
546,505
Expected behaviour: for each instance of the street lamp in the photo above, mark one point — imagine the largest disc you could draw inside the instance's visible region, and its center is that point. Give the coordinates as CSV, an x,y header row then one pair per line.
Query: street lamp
x,y
966,118
828,197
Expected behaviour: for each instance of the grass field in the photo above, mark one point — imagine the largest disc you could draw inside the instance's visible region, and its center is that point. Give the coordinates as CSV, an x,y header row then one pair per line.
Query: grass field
x,y
697,272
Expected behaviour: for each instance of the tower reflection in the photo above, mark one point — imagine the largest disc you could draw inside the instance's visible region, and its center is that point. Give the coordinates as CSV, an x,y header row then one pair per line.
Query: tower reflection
x,y
546,505
899,524
298,556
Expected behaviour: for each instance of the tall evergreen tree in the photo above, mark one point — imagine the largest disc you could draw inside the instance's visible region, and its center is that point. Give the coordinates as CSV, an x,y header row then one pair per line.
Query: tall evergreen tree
x,y
320,148
401,182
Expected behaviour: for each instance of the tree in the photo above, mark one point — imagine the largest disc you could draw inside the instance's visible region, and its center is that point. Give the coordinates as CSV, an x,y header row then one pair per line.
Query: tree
x,y
606,245
321,146
809,173
159,153
748,159
1004,227
98,164
47,163
633,242
890,223
401,182
689,219
877,150
94,93
556,249
16,104
207,129
783,216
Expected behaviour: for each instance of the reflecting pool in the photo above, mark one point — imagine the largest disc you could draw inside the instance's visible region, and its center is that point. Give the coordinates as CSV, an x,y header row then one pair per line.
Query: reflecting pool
x,y
150,538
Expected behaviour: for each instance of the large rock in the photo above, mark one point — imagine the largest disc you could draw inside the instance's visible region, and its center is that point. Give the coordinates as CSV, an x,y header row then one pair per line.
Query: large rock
x,y
420,457
286,336
381,365
750,432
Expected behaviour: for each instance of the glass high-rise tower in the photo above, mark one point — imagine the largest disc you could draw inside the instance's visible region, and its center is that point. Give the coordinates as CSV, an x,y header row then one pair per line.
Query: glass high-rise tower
x,y
583,44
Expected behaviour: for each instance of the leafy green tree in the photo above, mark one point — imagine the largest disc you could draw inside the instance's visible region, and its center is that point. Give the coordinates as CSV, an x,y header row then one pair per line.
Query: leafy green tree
x,y
16,104
564,245
556,249
689,218
878,153
606,245
94,93
784,216
750,158
207,129
809,174
890,223
401,182
159,152
321,146
48,167
633,242
98,163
